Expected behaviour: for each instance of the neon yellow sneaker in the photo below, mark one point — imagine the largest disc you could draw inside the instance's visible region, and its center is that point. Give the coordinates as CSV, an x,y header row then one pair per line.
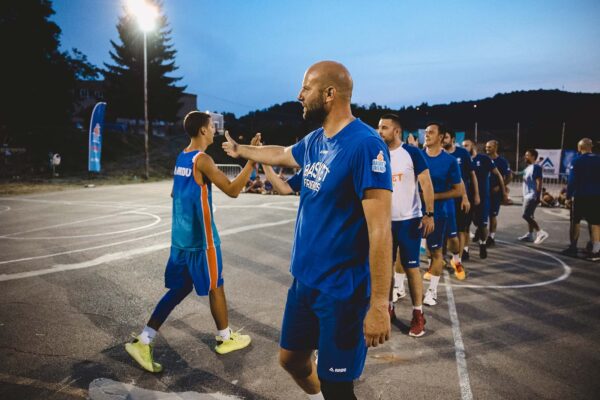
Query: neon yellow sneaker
x,y
142,353
235,342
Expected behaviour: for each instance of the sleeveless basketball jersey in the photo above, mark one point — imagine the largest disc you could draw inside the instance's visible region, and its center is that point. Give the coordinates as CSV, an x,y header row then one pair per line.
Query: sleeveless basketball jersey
x,y
193,226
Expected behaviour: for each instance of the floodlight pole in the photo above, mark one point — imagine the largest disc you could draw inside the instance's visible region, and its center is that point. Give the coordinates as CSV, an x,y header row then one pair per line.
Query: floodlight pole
x,y
146,124
517,157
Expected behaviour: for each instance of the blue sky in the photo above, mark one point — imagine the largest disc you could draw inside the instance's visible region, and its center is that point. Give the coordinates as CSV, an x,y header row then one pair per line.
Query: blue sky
x,y
239,56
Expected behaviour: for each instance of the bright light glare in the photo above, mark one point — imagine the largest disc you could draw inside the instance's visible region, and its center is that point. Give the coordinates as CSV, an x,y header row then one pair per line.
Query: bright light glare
x,y
145,13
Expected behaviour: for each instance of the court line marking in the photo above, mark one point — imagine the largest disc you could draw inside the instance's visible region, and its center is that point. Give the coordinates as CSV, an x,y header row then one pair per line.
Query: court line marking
x,y
157,220
5,209
127,254
459,346
566,273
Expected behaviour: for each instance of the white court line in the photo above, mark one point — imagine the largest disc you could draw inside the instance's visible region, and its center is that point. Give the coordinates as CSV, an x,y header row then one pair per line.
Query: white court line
x,y
459,346
566,273
157,220
127,254
5,209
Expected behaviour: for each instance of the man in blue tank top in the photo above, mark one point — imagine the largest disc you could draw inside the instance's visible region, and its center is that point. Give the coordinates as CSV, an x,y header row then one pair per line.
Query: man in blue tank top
x,y
195,259
341,255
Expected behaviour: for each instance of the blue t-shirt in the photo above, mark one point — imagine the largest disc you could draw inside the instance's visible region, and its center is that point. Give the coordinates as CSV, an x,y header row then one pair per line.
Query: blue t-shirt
x,y
331,245
504,169
530,174
295,181
444,172
483,166
466,166
584,176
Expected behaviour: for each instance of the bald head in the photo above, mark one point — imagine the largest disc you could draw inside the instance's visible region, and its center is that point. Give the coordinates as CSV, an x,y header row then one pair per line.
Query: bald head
x,y
331,74
585,145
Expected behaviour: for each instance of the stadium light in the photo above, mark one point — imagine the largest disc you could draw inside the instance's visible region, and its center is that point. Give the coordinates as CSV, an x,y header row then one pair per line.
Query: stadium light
x,y
146,15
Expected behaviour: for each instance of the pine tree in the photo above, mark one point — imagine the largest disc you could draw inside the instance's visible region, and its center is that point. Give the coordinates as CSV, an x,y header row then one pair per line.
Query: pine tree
x,y
125,78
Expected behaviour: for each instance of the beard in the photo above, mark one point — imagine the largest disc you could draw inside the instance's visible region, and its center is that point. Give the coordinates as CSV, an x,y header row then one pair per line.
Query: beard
x,y
315,112
446,146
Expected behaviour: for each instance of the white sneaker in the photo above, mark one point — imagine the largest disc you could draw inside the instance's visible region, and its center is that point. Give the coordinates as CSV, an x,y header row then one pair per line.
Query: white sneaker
x,y
541,236
528,237
430,297
398,294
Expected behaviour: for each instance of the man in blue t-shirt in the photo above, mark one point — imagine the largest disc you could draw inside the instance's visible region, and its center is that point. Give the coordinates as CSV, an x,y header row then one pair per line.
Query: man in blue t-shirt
x,y
584,189
341,255
447,185
484,167
496,194
532,188
463,206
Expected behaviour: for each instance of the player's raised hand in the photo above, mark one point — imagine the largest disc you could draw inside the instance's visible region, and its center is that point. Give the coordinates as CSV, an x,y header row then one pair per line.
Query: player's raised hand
x,y
230,146
256,140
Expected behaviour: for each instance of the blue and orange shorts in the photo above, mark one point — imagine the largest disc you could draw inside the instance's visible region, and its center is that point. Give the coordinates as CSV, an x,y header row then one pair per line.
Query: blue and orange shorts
x,y
203,268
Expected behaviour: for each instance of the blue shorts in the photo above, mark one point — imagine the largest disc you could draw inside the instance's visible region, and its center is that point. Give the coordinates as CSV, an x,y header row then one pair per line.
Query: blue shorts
x,y
451,228
203,268
435,240
529,206
495,202
407,236
481,213
315,320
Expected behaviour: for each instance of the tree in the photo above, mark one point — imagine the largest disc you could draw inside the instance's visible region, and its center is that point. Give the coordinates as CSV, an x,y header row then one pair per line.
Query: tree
x,y
37,80
125,78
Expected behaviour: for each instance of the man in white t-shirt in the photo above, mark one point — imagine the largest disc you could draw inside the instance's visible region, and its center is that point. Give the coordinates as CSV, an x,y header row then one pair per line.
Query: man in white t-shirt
x,y
408,223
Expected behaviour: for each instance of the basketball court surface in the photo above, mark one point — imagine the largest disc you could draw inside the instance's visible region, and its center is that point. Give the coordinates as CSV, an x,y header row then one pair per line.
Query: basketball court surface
x,y
81,270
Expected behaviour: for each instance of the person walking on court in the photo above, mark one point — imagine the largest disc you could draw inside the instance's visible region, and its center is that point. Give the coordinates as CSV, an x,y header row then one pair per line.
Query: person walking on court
x,y
409,223
532,189
195,257
342,238
447,185
583,189
496,195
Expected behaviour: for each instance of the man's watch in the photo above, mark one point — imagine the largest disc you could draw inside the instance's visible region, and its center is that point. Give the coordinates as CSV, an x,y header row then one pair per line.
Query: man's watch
x,y
428,214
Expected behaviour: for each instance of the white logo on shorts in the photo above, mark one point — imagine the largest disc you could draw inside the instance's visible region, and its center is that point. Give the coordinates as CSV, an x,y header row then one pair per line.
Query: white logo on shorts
x,y
337,370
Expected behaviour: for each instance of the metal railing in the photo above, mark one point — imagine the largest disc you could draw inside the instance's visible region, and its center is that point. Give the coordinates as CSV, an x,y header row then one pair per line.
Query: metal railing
x,y
231,170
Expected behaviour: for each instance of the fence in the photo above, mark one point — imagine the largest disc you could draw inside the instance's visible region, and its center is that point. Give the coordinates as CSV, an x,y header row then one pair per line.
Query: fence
x,y
552,185
231,170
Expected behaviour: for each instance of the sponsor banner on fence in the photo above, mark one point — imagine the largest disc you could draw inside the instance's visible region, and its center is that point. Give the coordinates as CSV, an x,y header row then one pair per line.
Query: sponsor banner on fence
x,y
95,138
568,157
549,159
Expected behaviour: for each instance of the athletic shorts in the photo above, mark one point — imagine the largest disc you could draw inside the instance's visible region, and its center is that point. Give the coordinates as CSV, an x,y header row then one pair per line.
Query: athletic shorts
x,y
315,320
586,207
481,213
529,206
435,240
204,268
495,202
407,236
463,220
451,226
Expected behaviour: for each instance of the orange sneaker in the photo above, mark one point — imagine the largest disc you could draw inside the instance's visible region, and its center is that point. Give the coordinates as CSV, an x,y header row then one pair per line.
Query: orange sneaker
x,y
459,270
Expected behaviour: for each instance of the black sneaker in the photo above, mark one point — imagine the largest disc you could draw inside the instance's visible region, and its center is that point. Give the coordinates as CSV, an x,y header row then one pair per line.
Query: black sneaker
x,y
482,251
594,256
569,251
490,242
465,255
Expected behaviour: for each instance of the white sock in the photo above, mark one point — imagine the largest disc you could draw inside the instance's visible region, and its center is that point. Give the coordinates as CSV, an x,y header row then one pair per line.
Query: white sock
x,y
420,308
492,234
596,247
455,257
224,333
466,249
433,283
318,396
399,280
148,334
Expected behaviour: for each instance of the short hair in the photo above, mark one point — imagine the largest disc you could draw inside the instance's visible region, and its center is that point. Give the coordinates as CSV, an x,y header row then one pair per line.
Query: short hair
x,y
441,129
533,152
193,121
394,118
450,132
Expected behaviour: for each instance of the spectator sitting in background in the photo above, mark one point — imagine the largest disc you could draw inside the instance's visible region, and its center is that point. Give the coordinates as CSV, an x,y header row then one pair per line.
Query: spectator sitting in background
x,y
257,185
268,188
562,198
546,199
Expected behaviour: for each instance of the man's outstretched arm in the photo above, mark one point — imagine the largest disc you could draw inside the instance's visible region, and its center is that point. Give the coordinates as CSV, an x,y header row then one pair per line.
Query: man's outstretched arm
x,y
270,155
